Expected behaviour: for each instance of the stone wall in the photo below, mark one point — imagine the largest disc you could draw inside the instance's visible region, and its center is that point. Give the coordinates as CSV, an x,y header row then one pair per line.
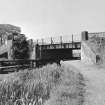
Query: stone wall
x,y
93,47
87,55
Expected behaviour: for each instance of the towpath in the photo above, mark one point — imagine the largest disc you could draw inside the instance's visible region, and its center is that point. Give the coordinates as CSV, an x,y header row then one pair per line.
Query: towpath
x,y
94,80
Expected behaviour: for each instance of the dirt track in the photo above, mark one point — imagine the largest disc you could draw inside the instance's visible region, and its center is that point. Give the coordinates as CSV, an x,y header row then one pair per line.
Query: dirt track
x,y
94,80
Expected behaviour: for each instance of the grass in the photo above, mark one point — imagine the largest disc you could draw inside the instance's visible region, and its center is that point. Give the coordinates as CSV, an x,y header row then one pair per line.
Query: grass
x,y
49,85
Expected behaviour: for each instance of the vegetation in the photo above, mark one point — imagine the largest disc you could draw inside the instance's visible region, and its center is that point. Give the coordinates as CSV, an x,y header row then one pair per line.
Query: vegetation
x,y
49,85
20,45
7,29
20,48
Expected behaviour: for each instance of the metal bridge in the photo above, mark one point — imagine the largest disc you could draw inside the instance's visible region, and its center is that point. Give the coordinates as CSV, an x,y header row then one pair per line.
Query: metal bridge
x,y
58,51
44,53
73,45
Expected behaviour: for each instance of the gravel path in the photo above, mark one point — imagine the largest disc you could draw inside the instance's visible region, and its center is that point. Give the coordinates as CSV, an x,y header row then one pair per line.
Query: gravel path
x,y
94,80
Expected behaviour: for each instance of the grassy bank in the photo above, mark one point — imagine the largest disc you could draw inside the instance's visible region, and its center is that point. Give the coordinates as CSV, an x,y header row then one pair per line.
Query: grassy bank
x,y
49,85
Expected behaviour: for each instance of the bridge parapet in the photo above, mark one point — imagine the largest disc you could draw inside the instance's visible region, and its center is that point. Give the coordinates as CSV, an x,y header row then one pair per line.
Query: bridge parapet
x,y
96,34
92,47
86,36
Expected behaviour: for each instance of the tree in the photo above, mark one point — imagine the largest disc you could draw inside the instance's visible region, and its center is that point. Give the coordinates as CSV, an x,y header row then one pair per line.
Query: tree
x,y
20,47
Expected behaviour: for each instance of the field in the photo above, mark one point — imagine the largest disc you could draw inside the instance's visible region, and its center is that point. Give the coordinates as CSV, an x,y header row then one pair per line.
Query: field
x,y
49,85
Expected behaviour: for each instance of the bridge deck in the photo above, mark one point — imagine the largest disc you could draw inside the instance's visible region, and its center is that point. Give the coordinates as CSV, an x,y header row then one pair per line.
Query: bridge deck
x,y
74,45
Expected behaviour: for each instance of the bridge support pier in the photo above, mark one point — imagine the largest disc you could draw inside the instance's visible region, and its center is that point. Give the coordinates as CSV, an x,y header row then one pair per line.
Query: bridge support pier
x,y
84,36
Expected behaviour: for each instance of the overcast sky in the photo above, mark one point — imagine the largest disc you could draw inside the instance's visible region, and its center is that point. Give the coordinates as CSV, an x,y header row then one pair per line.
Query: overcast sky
x,y
43,18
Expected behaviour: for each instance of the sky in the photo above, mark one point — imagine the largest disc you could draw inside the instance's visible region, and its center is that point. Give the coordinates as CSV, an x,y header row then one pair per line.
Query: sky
x,y
46,18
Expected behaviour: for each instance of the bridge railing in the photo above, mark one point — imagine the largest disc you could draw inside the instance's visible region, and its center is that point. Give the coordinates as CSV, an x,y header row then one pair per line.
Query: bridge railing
x,y
59,39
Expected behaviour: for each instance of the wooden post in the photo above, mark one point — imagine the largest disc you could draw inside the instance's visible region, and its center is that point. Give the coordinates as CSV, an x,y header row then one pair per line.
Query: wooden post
x,y
61,41
42,41
72,40
52,41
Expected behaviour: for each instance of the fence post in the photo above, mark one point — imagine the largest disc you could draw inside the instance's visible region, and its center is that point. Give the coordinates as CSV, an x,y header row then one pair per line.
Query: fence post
x,y
52,41
72,40
61,41
42,41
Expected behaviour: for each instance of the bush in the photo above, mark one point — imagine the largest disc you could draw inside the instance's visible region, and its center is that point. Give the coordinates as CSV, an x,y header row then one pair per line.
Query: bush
x,y
20,48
